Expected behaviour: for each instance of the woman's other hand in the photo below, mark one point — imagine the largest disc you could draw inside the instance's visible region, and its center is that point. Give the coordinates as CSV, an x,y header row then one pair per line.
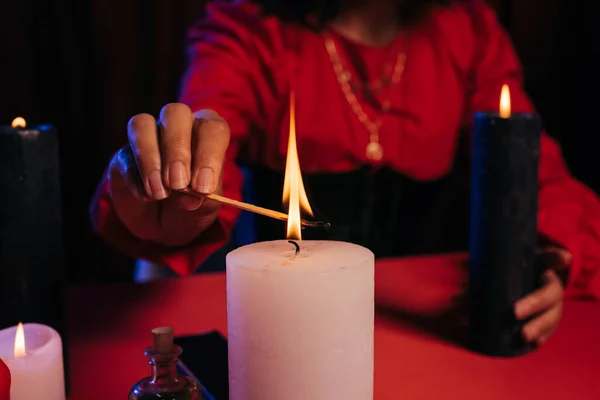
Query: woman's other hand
x,y
544,306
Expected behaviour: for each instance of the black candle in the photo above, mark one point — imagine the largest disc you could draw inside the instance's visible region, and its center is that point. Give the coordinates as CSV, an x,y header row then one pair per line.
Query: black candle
x,y
32,274
504,195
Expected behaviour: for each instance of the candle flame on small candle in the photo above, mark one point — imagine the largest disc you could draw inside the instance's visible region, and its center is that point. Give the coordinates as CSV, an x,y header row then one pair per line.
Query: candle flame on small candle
x,y
19,122
505,102
294,195
20,350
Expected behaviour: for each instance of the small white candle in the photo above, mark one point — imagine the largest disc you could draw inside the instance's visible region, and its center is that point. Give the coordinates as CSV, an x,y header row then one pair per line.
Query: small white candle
x,y
36,373
300,326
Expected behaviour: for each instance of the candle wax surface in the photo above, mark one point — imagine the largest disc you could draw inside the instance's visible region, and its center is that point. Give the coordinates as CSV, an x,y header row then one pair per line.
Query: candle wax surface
x,y
39,373
314,256
300,325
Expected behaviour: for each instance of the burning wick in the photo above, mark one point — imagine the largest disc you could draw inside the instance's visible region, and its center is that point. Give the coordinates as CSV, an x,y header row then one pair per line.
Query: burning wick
x,y
296,245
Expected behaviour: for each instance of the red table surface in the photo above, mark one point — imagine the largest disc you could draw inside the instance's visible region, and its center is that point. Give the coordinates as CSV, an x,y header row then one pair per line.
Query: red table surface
x,y
109,327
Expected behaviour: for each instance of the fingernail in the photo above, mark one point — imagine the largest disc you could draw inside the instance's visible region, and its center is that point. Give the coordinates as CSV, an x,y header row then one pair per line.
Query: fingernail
x,y
190,203
156,187
520,310
178,175
530,333
567,257
205,180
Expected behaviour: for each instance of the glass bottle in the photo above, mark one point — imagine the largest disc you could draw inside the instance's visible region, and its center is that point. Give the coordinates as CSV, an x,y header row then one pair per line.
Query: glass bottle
x,y
165,383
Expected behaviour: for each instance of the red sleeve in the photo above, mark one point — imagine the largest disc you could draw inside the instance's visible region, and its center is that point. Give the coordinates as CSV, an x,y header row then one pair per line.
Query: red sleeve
x,y
569,212
220,76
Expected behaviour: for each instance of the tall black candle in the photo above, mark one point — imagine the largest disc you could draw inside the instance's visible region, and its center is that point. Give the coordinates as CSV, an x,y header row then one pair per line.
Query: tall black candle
x,y
32,274
504,195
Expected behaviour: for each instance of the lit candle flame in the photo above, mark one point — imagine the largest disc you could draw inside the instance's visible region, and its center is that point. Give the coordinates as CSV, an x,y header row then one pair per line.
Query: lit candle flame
x,y
20,342
19,122
505,102
294,194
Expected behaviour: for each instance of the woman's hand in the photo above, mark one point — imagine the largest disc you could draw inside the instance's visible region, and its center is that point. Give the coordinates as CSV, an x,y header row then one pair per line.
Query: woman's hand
x,y
181,150
544,305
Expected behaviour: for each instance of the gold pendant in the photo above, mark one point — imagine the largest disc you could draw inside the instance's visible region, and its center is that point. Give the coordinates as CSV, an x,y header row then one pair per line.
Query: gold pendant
x,y
374,151
345,76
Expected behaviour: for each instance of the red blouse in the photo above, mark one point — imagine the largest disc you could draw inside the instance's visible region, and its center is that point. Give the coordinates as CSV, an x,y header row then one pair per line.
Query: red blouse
x,y
243,64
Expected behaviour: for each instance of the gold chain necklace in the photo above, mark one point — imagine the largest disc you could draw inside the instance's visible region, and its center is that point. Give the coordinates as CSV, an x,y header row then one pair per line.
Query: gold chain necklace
x,y
374,150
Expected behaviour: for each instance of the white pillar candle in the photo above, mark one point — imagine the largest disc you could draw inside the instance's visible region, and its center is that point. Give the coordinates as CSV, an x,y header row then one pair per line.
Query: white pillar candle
x,y
300,326
37,374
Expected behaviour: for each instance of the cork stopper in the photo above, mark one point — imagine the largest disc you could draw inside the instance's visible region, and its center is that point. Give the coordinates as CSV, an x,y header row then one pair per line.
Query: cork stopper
x,y
162,339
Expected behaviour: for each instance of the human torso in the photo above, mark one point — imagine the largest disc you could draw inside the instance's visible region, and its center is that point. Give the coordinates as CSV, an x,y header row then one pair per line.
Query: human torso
x,y
418,134
414,199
